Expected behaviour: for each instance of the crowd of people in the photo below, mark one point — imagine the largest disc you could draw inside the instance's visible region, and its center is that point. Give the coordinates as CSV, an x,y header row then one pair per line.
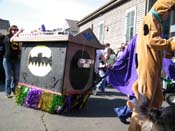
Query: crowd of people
x,y
105,58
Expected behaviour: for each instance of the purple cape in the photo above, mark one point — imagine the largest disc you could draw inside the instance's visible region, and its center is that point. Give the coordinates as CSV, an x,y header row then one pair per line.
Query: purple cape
x,y
169,68
123,73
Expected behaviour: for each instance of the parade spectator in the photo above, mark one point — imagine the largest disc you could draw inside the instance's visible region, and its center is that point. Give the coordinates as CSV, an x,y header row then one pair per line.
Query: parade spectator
x,y
110,58
2,50
149,54
99,59
120,51
11,61
98,62
107,45
125,45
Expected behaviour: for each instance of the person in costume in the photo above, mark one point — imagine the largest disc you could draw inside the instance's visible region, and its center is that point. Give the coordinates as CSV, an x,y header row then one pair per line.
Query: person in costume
x,y
149,54
123,74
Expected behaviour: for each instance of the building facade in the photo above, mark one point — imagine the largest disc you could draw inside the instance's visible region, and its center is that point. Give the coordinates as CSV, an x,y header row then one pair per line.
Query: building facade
x,y
117,21
4,25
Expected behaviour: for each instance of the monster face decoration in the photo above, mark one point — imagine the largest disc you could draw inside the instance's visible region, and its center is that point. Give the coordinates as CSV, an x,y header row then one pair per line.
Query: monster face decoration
x,y
40,61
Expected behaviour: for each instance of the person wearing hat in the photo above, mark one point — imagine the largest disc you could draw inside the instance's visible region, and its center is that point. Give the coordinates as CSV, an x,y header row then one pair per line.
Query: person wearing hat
x,y
150,48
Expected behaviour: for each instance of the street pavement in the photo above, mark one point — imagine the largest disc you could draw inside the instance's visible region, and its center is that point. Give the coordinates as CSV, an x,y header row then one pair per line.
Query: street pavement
x,y
98,115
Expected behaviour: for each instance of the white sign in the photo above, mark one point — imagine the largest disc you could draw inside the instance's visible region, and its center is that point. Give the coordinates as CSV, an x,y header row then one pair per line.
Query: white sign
x,y
172,28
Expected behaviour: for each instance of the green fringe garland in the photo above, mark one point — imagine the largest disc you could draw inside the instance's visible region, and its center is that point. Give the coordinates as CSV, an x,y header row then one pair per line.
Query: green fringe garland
x,y
22,92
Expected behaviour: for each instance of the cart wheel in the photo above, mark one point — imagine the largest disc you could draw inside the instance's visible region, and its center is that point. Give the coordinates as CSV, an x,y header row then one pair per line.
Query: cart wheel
x,y
170,98
79,101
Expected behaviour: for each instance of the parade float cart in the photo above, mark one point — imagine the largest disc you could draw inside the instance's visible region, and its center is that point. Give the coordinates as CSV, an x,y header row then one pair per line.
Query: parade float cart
x,y
56,70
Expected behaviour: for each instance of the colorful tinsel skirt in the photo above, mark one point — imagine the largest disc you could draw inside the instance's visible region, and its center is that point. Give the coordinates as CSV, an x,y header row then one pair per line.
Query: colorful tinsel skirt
x,y
37,98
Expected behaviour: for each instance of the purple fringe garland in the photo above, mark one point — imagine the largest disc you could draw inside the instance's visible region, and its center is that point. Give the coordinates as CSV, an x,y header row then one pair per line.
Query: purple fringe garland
x,y
33,98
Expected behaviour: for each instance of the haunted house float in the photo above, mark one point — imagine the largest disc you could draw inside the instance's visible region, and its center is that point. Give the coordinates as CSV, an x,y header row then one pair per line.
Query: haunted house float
x,y
56,70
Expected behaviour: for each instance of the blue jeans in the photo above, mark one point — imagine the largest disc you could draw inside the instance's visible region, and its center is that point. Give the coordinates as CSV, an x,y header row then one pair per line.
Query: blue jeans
x,y
11,68
124,112
102,84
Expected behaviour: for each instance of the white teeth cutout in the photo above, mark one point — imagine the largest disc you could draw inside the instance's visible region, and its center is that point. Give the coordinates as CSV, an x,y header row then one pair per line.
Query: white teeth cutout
x,y
40,61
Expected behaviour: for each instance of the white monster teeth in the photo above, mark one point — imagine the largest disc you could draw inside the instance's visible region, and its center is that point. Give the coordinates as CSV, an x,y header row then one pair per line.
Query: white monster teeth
x,y
40,60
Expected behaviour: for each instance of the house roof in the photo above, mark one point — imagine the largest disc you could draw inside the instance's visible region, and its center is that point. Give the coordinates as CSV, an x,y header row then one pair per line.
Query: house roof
x,y
72,24
4,24
105,8
87,38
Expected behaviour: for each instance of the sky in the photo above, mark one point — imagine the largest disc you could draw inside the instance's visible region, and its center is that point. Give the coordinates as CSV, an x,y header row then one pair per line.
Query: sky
x,y
31,14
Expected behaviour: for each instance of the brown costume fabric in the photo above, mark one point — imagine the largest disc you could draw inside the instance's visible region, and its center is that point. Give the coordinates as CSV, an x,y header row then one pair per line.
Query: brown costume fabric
x,y
149,49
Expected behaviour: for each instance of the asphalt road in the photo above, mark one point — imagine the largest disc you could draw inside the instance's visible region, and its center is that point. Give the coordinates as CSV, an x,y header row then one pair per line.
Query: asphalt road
x,y
98,115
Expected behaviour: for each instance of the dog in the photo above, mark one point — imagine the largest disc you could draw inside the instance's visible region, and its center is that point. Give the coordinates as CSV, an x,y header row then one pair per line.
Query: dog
x,y
161,119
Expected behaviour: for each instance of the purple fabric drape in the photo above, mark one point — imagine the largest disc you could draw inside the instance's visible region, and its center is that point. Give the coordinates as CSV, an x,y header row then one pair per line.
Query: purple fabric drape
x,y
169,68
123,73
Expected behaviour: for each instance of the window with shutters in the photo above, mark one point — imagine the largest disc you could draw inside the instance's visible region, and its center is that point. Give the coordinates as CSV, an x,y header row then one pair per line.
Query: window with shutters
x,y
101,31
130,24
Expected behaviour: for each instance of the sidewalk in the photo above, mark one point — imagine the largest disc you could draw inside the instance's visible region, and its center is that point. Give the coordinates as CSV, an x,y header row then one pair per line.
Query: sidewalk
x,y
17,118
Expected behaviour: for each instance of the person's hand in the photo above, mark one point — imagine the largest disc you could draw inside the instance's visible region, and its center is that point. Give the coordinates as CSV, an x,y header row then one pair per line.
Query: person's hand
x,y
16,34
172,38
109,66
21,30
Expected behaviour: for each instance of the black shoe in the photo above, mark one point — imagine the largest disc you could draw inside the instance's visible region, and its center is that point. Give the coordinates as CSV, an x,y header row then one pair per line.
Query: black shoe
x,y
123,120
13,91
8,96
